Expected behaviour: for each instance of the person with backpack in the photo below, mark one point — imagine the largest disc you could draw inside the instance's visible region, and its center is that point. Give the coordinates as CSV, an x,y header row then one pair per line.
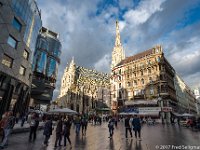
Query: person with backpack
x,y
111,123
8,126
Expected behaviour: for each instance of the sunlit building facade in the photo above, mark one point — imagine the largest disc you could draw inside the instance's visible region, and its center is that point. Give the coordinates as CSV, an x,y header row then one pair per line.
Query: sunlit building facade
x,y
197,96
185,97
145,82
45,66
20,24
84,90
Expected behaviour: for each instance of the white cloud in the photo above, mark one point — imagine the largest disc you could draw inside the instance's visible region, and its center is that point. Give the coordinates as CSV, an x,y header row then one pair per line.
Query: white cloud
x,y
143,12
90,37
103,64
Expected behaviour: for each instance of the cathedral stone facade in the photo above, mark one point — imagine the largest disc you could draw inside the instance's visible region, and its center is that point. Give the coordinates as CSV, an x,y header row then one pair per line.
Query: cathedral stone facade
x,y
84,90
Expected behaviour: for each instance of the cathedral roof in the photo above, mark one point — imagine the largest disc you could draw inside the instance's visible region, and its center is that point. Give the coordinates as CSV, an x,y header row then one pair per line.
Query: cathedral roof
x,y
91,74
137,56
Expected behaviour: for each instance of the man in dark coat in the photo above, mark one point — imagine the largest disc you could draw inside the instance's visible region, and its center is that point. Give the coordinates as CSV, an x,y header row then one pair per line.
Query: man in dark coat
x,y
127,126
137,126
111,127
59,132
66,132
47,130
84,123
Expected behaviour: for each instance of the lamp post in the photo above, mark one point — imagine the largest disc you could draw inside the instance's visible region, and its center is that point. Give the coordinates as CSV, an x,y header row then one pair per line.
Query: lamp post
x,y
160,100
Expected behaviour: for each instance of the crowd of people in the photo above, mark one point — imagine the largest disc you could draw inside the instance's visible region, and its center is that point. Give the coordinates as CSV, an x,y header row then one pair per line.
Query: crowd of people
x,y
132,126
130,123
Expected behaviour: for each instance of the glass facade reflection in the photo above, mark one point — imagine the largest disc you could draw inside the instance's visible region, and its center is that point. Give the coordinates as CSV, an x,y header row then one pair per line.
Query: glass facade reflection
x,y
28,11
47,54
52,67
16,24
45,66
41,62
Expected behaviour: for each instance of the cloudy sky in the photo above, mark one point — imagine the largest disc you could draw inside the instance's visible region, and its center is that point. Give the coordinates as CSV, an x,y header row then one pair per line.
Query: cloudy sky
x,y
87,31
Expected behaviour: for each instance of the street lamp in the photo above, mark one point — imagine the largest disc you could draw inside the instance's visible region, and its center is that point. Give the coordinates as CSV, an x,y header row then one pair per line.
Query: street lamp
x,y
160,100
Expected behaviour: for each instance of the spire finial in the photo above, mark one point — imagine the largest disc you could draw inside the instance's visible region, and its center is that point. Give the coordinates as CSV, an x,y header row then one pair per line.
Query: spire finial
x,y
117,40
72,63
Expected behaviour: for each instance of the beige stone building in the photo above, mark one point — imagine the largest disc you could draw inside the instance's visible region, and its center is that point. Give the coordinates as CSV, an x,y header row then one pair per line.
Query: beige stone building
x,y
187,102
84,90
145,79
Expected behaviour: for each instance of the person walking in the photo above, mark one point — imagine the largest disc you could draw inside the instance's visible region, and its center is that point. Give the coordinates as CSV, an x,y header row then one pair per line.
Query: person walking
x,y
84,123
2,124
136,123
59,132
8,126
17,117
34,122
127,126
111,123
47,130
77,122
66,132
23,120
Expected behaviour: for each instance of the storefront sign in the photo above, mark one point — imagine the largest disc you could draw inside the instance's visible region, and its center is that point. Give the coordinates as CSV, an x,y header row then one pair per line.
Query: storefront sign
x,y
149,109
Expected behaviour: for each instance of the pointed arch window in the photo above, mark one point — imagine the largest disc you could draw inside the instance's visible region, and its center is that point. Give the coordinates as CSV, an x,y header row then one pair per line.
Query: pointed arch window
x,y
150,79
120,85
142,81
142,73
135,83
120,71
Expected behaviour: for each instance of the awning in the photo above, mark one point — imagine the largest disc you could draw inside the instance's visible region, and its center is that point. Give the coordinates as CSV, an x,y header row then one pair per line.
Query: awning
x,y
140,114
137,102
187,115
176,114
63,110
103,109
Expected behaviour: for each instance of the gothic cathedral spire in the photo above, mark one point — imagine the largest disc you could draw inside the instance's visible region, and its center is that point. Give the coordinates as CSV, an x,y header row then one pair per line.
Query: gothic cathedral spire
x,y
117,40
118,52
72,64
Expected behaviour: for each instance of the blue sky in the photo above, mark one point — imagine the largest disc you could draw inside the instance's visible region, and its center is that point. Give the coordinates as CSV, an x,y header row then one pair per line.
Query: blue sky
x,y
87,31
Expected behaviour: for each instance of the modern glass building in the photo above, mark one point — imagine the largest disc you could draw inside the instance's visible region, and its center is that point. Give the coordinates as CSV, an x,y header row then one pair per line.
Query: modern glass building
x,y
28,11
45,66
19,27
